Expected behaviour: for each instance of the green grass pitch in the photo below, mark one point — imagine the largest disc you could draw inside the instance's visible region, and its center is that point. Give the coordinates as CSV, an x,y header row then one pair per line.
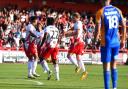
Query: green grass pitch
x,y
14,76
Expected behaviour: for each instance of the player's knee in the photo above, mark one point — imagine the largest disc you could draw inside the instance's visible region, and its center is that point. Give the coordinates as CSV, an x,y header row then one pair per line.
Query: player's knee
x,y
54,61
69,56
113,64
41,60
106,66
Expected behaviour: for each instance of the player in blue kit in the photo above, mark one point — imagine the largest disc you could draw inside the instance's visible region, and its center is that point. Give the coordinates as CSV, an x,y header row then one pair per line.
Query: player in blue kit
x,y
108,19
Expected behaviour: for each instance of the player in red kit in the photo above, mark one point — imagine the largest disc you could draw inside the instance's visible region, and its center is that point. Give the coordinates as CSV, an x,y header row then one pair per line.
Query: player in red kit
x,y
30,47
51,47
77,46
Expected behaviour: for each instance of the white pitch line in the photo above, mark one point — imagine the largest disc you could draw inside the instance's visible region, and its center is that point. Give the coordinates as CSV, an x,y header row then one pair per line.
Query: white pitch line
x,y
37,82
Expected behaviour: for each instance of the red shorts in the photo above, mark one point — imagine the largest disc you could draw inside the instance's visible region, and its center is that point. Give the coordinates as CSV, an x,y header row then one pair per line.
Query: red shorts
x,y
48,51
32,49
26,49
77,49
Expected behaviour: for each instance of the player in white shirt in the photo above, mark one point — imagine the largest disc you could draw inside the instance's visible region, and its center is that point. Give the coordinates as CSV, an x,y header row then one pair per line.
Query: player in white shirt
x,y
51,47
30,47
77,46
39,40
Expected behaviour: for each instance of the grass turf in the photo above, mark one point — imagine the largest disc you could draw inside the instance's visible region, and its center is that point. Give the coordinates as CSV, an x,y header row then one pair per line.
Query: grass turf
x,y
14,76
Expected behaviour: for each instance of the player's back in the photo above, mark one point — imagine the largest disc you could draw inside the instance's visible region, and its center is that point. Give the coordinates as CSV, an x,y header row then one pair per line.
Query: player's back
x,y
53,34
111,17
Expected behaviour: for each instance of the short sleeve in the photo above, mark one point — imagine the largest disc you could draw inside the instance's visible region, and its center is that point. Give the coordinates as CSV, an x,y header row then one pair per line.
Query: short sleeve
x,y
99,15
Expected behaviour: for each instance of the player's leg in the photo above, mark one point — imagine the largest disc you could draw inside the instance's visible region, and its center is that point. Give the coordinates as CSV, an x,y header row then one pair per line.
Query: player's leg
x,y
29,60
81,66
70,55
106,58
39,54
72,60
43,57
55,63
44,65
106,72
33,50
114,73
56,69
34,65
79,52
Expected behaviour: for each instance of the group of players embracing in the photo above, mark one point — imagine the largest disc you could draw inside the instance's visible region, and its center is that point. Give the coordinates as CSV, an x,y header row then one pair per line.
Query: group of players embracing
x,y
41,43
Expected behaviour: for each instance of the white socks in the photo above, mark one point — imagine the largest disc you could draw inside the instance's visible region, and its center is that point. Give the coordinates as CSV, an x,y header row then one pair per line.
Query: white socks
x,y
56,68
44,64
73,61
81,64
34,66
29,68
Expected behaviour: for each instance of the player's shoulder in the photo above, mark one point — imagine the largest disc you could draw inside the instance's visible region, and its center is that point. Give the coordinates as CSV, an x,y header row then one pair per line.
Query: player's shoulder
x,y
78,23
100,11
113,8
30,26
50,27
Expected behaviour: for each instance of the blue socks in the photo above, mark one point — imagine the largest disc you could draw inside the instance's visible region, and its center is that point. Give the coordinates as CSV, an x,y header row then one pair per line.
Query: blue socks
x,y
114,76
107,79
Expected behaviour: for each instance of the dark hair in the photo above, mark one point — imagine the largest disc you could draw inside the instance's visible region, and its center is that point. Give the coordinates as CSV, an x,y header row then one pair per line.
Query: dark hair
x,y
50,21
77,15
33,18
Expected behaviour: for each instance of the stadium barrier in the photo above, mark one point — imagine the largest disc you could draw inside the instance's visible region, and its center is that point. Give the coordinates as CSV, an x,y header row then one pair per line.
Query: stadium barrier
x,y
14,56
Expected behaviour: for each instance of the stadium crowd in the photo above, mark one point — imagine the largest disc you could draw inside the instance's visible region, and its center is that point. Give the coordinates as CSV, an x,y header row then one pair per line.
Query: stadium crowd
x,y
13,23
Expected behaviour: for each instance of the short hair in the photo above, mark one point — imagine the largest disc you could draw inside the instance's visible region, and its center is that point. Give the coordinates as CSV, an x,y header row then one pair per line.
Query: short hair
x,y
77,15
50,21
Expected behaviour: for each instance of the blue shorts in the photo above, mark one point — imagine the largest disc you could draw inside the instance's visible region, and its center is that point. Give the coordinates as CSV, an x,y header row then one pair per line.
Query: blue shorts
x,y
109,54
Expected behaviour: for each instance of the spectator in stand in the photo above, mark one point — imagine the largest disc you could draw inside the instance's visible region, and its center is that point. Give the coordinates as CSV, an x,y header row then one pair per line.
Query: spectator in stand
x,y
13,20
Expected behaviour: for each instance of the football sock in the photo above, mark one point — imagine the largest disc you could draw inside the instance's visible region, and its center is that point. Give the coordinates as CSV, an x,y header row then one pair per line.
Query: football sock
x,y
107,79
44,68
29,68
34,66
73,61
114,76
81,65
56,68
44,64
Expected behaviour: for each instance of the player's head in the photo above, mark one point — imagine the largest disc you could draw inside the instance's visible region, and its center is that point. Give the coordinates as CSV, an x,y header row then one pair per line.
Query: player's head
x,y
105,2
39,27
50,21
76,16
33,20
